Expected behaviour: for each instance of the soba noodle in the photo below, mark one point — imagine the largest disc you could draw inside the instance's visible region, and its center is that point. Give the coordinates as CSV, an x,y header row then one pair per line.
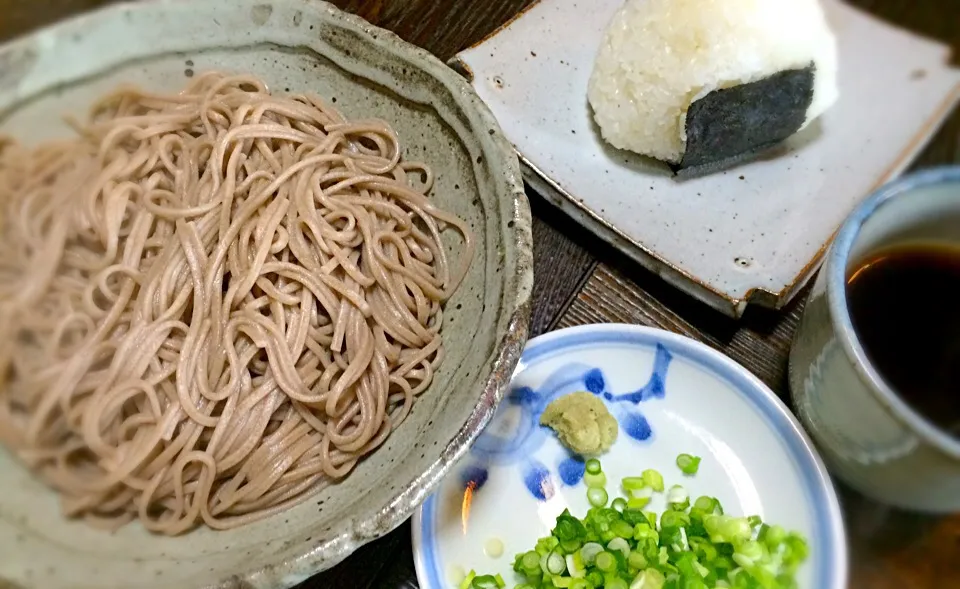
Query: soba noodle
x,y
214,303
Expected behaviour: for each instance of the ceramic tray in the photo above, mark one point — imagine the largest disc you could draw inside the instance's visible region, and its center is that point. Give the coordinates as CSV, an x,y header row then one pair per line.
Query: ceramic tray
x,y
754,234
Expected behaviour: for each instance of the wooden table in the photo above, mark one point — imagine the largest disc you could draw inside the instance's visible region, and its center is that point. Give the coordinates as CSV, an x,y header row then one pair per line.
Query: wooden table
x,y
579,279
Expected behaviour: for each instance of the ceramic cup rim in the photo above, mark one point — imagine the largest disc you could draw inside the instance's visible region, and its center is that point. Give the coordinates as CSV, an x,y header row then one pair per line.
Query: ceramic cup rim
x,y
840,316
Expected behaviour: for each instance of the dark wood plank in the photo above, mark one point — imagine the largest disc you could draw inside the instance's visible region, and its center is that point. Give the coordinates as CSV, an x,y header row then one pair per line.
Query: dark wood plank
x,y
759,342
22,16
443,27
562,262
936,19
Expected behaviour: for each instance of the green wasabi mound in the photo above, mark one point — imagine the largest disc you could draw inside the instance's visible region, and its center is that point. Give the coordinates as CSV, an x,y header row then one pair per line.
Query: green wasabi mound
x,y
582,423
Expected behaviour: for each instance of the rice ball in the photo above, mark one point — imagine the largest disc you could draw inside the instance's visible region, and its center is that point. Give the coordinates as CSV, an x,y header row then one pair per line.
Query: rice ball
x,y
659,57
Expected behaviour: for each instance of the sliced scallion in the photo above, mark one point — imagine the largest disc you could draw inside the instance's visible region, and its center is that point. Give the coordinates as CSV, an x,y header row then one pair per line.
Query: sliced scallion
x,y
705,504
598,480
631,484
637,560
467,581
486,582
590,551
606,562
626,546
575,565
677,494
653,479
556,564
593,466
619,545
597,496
688,464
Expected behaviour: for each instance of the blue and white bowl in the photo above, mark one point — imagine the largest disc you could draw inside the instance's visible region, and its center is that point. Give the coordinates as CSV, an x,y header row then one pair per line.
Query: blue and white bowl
x,y
671,395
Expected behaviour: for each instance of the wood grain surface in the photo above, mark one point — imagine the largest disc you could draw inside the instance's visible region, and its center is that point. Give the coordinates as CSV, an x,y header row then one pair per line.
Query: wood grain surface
x,y
581,280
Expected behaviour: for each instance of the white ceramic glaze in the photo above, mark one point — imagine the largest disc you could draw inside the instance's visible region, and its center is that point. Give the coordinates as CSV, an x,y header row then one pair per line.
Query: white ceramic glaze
x,y
869,437
753,234
755,457
295,46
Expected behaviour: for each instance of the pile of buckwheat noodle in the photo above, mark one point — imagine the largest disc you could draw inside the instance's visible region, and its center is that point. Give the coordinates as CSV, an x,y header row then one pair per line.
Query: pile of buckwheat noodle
x,y
214,303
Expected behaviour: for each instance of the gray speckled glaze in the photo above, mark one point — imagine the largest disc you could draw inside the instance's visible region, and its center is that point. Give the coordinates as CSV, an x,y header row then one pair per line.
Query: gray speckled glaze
x,y
297,45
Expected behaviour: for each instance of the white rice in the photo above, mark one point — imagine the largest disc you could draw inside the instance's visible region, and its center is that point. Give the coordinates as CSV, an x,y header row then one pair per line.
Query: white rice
x,y
658,56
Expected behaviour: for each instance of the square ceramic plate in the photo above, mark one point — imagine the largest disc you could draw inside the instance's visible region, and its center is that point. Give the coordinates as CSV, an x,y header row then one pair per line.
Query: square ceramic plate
x,y
754,234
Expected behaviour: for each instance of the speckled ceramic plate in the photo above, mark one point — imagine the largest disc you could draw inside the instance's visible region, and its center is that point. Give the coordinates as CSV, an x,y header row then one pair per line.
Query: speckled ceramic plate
x,y
301,46
670,395
754,234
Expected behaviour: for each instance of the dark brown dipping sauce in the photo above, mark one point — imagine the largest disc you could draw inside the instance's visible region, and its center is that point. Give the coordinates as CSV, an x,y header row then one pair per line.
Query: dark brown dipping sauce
x,y
905,307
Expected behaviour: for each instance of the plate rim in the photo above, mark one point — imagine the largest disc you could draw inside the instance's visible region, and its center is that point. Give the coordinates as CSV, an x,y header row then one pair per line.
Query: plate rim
x,y
800,447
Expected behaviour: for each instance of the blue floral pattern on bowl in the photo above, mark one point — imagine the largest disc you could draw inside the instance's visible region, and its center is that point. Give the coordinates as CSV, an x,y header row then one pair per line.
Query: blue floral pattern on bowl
x,y
519,446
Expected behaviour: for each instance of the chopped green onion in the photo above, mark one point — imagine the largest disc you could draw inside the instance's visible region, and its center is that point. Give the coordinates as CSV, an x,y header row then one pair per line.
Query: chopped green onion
x,y
570,546
575,565
529,563
677,494
619,545
637,560
631,484
673,519
598,480
597,496
649,579
641,533
606,562
705,504
593,466
595,578
626,546
590,551
653,479
688,464
556,564
487,582
772,536
543,563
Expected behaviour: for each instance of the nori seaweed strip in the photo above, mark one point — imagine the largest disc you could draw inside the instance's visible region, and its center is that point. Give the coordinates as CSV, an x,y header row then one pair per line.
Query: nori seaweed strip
x,y
732,125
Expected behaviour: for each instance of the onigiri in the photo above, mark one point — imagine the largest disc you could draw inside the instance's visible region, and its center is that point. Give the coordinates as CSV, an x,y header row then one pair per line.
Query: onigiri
x,y
704,84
